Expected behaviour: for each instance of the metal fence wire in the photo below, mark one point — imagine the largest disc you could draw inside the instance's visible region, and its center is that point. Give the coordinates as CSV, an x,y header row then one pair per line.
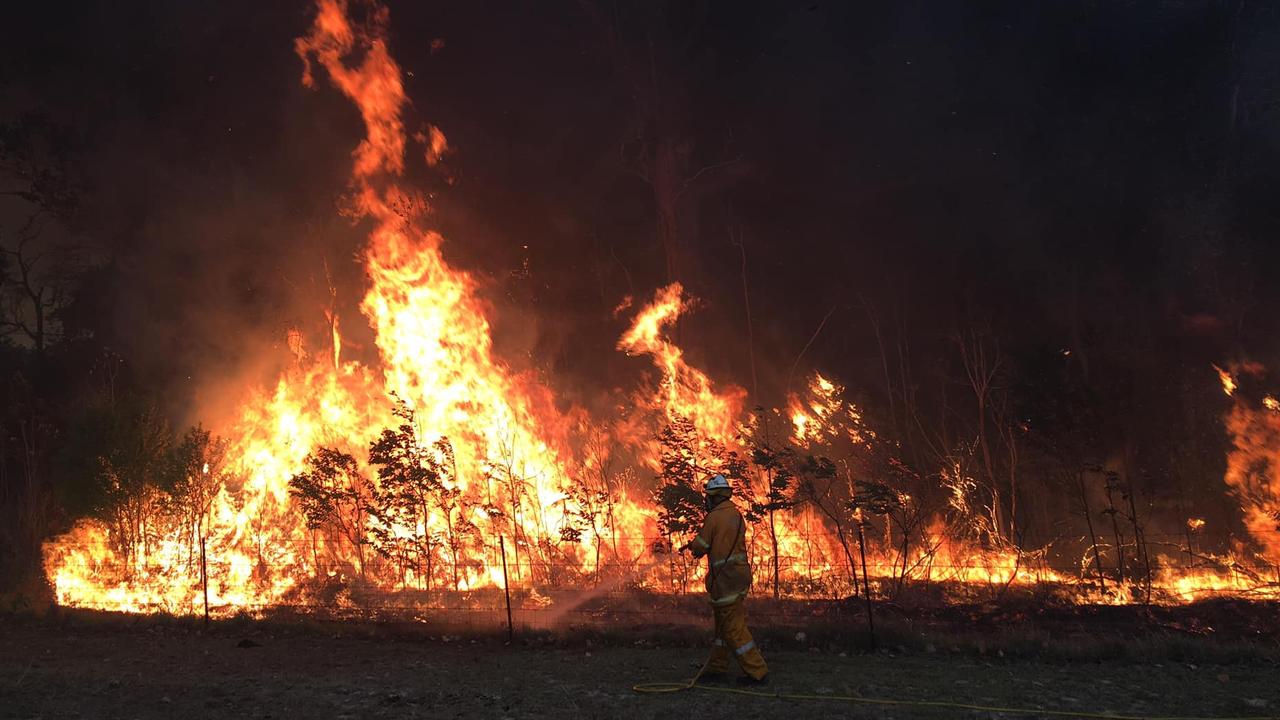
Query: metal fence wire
x,y
1171,568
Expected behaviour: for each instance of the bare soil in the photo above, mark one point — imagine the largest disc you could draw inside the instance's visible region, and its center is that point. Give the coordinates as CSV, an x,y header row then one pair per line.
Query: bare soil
x,y
150,668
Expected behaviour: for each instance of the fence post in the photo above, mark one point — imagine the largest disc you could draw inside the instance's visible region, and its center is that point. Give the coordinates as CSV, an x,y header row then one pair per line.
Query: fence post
x,y
506,588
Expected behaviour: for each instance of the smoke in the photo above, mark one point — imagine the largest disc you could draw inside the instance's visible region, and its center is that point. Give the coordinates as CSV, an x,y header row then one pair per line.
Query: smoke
x,y
557,614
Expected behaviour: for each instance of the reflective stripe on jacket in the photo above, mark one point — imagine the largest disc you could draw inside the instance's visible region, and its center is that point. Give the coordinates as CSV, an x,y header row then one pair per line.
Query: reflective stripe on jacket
x,y
723,539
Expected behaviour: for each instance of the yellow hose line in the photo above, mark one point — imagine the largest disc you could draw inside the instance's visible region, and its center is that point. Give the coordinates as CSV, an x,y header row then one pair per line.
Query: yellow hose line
x,y
653,688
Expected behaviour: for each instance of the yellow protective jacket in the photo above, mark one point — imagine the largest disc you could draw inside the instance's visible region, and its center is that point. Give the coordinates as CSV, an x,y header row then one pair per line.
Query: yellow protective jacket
x,y
723,539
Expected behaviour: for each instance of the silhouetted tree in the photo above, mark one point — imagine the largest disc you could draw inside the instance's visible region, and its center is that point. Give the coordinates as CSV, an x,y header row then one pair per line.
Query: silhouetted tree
x,y
771,466
200,468
415,480
335,496
408,478
687,459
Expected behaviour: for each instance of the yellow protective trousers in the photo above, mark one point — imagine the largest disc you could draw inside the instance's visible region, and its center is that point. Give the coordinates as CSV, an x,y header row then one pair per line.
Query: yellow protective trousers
x,y
733,639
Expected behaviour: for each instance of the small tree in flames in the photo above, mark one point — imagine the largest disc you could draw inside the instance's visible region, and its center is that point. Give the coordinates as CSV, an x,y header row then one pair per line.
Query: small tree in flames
x,y
200,460
453,505
596,494
775,487
135,474
335,496
408,479
416,479
687,458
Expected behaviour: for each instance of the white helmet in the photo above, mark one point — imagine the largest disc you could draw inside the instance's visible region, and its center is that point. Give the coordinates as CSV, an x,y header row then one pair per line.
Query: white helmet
x,y
717,484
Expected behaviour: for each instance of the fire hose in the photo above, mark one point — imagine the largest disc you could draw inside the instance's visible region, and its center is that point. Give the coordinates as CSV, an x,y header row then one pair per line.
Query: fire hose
x,y
692,684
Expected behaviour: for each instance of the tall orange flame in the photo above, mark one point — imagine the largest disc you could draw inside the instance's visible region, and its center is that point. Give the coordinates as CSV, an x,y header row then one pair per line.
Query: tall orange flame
x,y
1253,471
684,390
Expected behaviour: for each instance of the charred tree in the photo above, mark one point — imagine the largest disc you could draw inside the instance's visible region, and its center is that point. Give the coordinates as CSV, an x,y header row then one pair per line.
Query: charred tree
x,y
1111,480
812,473
776,491
335,495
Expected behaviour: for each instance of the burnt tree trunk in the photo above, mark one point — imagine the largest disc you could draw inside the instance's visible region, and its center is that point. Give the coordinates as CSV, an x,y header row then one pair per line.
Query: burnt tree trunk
x,y
1115,529
1093,536
773,538
1140,543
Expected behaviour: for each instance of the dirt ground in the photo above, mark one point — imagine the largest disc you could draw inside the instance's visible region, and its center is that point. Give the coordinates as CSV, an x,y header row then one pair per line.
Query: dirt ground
x,y
144,670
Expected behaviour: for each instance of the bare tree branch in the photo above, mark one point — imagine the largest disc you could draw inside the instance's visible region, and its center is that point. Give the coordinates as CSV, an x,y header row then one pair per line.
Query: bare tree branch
x,y
791,373
713,168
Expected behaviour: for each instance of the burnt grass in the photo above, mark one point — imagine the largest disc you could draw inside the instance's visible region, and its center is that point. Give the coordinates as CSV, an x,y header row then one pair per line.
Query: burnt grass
x,y
1218,658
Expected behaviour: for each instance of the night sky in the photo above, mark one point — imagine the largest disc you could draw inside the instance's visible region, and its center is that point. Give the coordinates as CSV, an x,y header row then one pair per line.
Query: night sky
x,y
1091,177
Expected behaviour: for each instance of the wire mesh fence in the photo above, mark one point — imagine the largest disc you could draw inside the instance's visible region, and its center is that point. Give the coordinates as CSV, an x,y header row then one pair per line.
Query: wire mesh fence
x,y
605,582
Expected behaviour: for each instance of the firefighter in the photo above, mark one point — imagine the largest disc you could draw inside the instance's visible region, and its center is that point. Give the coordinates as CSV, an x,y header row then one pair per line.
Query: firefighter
x,y
723,539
